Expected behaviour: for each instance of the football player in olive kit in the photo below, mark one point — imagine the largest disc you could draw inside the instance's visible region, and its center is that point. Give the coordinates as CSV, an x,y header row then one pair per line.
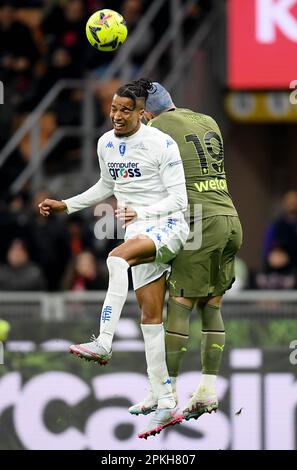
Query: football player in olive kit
x,y
201,273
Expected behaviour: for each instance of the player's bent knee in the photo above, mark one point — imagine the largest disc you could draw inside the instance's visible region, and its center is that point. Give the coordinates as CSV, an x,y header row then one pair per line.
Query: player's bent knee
x,y
116,265
215,301
115,252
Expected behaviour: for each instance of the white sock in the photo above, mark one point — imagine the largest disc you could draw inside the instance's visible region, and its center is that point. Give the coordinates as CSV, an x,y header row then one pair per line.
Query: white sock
x,y
115,298
154,342
208,383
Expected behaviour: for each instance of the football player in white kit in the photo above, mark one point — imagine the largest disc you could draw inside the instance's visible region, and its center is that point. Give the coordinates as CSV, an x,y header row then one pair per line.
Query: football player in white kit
x,y
142,167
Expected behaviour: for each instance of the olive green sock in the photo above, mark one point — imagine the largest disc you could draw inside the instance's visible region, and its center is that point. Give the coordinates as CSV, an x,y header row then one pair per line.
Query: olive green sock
x,y
176,335
213,339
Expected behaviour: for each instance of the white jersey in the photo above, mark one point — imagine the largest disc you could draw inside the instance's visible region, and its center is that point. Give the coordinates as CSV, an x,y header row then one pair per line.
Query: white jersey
x,y
144,171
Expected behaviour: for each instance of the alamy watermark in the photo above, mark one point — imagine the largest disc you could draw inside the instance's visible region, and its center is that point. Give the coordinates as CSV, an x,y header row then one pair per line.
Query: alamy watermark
x,y
163,227
1,353
1,93
293,355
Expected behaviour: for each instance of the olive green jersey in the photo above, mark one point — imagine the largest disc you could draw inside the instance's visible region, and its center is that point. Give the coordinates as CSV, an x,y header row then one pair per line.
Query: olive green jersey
x,y
201,147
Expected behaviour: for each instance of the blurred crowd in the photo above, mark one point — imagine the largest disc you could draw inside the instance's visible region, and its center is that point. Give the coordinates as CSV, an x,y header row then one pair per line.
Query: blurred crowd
x,y
41,42
55,253
280,249
278,268
44,41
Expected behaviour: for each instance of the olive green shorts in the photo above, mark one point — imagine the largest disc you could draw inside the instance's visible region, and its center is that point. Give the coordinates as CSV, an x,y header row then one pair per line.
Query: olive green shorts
x,y
208,270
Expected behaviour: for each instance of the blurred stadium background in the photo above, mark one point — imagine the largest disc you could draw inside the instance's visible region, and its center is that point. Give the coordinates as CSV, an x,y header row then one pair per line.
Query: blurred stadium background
x,y
234,60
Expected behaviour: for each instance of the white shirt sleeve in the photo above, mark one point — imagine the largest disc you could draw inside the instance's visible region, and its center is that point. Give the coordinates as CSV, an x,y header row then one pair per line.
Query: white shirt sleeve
x,y
101,190
173,178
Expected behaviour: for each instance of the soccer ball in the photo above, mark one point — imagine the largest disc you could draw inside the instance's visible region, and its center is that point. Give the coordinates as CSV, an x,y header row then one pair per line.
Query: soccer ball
x,y
106,30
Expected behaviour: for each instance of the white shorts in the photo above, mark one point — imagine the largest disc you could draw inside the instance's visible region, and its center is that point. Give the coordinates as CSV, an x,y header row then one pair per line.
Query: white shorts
x,y
169,235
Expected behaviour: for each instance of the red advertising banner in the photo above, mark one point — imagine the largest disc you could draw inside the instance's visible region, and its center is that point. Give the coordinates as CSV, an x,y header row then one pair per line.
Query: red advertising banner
x,y
262,43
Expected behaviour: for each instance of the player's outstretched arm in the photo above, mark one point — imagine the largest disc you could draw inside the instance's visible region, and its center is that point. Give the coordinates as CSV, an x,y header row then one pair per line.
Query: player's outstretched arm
x,y
50,206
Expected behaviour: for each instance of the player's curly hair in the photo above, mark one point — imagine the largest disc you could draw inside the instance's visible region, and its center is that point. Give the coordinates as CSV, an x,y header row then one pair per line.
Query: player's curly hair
x,y
136,89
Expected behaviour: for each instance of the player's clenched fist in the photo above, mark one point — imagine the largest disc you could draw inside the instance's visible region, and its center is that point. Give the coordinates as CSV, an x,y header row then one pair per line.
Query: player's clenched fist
x,y
49,206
